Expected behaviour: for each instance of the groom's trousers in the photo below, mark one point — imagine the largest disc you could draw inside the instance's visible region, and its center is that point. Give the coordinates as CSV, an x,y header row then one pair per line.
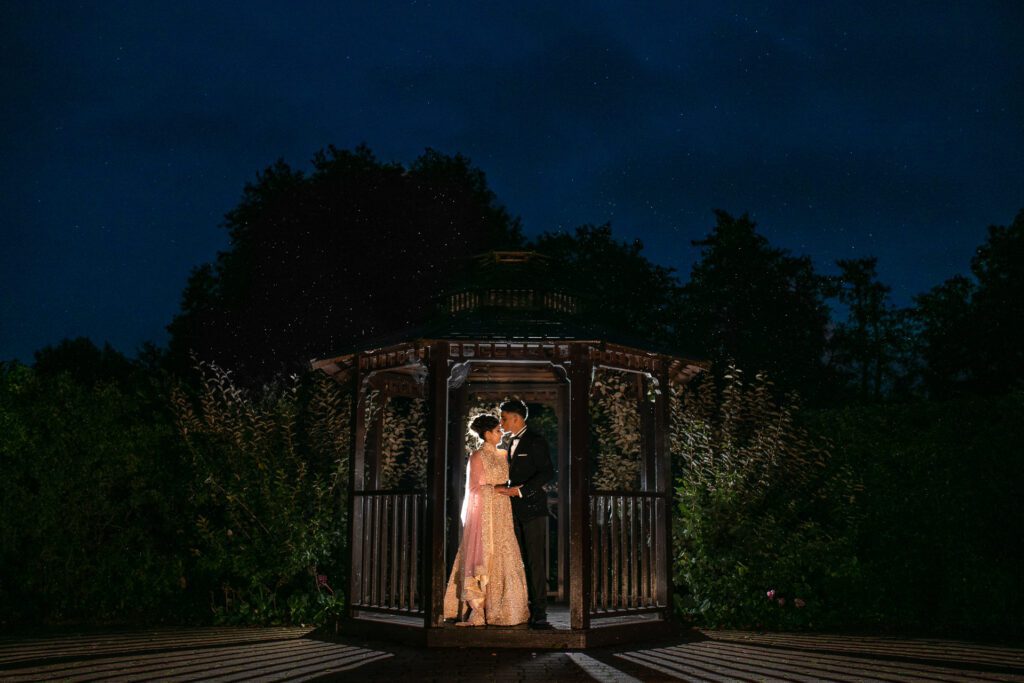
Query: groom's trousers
x,y
532,536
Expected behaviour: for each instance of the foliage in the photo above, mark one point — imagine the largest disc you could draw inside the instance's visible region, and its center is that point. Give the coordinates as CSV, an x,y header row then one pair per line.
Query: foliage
x,y
756,306
404,443
317,262
941,511
270,471
615,416
760,507
91,494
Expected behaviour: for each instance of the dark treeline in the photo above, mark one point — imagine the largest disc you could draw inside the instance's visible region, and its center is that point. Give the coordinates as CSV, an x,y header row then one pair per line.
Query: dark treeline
x,y
109,513
359,249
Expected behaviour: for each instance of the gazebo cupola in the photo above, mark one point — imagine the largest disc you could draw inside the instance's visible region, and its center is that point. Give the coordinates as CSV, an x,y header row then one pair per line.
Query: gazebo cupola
x,y
511,328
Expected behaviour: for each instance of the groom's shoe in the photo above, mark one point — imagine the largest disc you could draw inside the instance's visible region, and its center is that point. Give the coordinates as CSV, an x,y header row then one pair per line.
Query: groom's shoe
x,y
542,625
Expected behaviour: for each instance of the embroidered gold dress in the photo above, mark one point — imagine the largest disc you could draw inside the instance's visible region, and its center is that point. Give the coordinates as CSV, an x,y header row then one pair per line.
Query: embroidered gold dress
x,y
488,573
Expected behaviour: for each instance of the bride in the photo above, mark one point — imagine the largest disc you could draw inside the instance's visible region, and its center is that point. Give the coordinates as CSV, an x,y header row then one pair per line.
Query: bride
x,y
488,576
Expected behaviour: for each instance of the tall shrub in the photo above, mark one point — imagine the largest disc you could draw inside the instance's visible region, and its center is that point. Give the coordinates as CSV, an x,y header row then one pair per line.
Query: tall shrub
x,y
270,471
763,522
942,511
91,498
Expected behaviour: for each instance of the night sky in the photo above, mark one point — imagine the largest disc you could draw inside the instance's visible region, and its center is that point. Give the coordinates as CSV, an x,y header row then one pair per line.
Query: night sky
x,y
890,129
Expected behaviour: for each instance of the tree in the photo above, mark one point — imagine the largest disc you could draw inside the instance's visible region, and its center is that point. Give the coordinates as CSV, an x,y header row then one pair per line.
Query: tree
x,y
757,306
998,308
971,330
944,337
618,287
83,361
319,262
870,347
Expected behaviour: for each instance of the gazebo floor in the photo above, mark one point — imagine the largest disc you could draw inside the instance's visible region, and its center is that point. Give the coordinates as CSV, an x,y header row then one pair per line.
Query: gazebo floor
x,y
604,631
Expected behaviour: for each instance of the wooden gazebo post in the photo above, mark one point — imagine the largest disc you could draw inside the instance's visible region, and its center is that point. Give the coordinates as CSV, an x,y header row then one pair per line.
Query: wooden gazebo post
x,y
579,486
663,485
436,481
357,470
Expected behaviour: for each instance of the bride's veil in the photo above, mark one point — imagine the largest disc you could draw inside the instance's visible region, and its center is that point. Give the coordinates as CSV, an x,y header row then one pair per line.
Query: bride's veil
x,y
465,496
471,542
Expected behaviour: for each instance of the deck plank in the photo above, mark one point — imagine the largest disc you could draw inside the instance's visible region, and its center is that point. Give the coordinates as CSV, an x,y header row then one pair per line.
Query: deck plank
x,y
236,654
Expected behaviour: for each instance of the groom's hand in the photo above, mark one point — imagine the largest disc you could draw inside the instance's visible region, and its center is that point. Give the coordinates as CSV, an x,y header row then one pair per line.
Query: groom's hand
x,y
510,491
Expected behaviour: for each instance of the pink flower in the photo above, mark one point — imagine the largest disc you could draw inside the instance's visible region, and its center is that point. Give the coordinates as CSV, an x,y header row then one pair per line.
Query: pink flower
x,y
771,594
782,602
799,602
321,579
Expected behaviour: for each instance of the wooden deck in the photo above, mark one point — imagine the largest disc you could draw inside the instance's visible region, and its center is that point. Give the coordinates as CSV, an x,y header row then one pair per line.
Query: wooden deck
x,y
740,655
291,654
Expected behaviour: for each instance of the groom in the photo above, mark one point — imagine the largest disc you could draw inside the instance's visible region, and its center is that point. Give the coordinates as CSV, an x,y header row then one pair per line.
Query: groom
x,y
529,470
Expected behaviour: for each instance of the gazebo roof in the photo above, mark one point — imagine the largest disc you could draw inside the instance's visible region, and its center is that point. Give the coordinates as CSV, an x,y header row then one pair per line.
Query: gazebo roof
x,y
514,297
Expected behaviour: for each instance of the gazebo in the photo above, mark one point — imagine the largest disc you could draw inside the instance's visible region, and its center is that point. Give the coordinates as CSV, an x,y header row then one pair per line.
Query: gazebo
x,y
500,336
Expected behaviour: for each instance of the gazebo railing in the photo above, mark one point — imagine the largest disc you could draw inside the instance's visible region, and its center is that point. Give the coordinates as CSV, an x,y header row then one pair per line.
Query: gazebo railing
x,y
626,551
491,297
390,551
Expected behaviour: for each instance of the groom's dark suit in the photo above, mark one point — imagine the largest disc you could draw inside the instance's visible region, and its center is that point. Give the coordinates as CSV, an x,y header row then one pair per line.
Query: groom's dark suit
x,y
530,468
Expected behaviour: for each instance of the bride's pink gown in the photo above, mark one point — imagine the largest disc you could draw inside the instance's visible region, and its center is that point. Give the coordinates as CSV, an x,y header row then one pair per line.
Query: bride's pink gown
x,y
488,571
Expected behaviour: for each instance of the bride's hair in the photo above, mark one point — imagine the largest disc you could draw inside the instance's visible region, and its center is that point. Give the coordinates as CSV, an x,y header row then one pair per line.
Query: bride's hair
x,y
482,424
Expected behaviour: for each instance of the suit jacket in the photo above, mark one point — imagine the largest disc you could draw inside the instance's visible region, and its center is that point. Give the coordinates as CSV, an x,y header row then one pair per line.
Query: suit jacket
x,y
531,468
